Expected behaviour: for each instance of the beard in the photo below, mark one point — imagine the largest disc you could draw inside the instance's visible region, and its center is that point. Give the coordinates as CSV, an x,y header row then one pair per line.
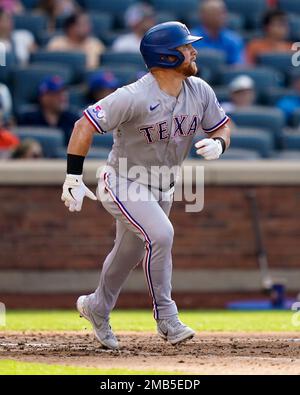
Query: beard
x,y
187,70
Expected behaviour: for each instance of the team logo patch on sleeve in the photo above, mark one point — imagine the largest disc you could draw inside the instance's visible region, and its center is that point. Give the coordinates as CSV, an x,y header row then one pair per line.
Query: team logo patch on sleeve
x,y
98,112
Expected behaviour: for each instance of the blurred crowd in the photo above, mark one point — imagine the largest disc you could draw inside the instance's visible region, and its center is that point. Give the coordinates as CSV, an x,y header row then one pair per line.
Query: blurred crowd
x,y
58,56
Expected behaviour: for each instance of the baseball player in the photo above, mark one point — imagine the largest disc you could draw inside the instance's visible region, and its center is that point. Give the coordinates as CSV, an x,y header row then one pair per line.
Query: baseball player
x,y
153,121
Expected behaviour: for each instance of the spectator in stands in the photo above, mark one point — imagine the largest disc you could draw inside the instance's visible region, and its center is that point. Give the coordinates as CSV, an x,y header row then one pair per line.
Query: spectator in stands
x,y
242,93
28,149
53,108
213,19
18,43
276,29
100,85
12,6
138,18
55,8
289,103
8,141
77,37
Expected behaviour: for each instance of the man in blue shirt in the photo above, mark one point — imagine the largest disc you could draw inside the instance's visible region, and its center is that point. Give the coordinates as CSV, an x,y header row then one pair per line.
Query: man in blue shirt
x,y
213,15
53,109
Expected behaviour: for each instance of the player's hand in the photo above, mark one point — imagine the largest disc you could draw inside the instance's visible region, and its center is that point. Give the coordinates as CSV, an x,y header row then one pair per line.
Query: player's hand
x,y
209,148
74,191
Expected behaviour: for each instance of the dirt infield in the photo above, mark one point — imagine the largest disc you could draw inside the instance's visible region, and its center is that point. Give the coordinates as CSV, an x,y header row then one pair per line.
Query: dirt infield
x,y
207,353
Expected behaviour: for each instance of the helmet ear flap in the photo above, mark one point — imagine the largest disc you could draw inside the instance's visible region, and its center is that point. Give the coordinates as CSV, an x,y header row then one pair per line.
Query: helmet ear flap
x,y
168,58
162,58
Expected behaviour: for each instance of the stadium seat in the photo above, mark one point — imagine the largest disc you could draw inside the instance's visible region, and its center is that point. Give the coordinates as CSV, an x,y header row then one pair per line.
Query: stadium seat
x,y
75,62
102,22
51,139
179,7
116,8
249,35
206,74
296,118
29,4
231,154
32,75
35,23
77,97
264,77
235,21
272,95
240,154
289,6
94,153
212,59
291,141
103,140
165,16
267,118
250,9
295,74
24,109
122,58
255,139
8,62
222,93
277,60
125,74
112,7
288,155
294,24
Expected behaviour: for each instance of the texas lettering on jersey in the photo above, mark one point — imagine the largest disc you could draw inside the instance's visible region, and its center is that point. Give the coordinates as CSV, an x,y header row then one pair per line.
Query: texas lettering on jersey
x,y
144,120
183,125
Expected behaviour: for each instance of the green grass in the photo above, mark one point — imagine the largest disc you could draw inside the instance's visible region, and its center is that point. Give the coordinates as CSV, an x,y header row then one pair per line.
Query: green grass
x,y
142,320
11,367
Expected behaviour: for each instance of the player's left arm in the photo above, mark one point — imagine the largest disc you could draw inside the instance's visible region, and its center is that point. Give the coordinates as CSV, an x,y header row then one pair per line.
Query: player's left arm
x,y
214,146
215,123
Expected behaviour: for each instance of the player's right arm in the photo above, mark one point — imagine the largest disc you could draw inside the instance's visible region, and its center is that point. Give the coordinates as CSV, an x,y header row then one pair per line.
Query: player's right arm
x,y
103,116
74,189
81,137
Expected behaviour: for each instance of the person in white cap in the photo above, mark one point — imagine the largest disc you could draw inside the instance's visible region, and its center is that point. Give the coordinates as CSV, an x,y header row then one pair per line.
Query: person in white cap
x,y
242,93
138,18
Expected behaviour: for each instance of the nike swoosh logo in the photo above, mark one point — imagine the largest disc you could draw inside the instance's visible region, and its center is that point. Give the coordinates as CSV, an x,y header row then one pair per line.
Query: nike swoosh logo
x,y
154,107
70,192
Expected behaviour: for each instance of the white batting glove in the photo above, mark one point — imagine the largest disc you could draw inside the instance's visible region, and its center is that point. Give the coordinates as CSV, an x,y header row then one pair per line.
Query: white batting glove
x,y
74,191
209,148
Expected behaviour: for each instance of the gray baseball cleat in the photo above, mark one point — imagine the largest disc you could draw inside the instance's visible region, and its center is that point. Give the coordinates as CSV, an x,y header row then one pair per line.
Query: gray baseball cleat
x,y
173,330
102,329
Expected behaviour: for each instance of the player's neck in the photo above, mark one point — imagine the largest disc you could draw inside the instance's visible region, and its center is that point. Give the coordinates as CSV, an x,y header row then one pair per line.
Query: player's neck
x,y
169,81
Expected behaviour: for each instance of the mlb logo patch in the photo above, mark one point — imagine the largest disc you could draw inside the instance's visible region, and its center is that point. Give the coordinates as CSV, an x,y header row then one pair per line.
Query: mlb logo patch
x,y
98,112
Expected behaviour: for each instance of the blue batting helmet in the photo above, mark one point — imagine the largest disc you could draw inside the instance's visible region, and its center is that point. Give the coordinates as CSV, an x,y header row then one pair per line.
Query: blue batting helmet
x,y
162,40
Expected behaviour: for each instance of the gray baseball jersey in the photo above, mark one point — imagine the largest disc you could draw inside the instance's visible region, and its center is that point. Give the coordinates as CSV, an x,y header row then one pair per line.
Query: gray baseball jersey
x,y
152,128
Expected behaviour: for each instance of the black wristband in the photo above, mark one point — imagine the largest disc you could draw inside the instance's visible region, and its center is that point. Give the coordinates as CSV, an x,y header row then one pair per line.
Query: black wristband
x,y
75,164
222,142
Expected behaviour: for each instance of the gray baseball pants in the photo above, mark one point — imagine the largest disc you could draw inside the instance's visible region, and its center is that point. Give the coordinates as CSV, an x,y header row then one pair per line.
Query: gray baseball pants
x,y
143,232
